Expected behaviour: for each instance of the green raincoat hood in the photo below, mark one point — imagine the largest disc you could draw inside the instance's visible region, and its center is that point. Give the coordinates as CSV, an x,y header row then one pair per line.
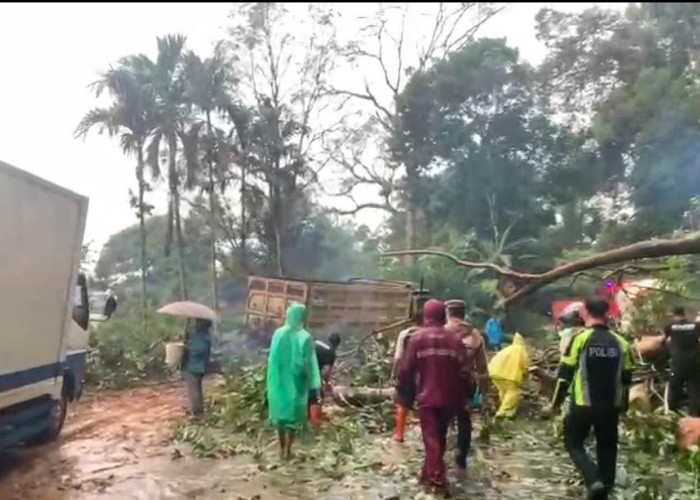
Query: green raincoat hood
x,y
294,317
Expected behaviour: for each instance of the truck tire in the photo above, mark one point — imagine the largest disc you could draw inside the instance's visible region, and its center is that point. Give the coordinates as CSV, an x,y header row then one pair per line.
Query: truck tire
x,y
57,418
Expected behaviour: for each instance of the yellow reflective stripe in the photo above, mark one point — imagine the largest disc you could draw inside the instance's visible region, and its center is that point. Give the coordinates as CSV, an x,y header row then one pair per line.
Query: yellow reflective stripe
x,y
627,364
571,358
628,358
574,359
582,388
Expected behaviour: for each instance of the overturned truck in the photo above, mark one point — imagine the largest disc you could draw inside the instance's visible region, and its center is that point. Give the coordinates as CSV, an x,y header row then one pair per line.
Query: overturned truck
x,y
356,304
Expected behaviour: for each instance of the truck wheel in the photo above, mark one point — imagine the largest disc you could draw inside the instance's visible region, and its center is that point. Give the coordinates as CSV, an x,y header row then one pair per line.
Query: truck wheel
x,y
57,418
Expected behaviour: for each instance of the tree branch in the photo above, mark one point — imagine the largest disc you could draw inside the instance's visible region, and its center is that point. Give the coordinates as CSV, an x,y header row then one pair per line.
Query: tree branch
x,y
641,250
463,263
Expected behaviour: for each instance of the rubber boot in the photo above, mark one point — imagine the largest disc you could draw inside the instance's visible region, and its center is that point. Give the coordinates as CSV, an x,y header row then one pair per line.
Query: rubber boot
x,y
400,423
315,414
598,491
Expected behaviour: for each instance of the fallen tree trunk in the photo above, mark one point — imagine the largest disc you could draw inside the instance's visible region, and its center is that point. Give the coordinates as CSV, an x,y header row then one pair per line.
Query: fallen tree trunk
x,y
532,282
361,396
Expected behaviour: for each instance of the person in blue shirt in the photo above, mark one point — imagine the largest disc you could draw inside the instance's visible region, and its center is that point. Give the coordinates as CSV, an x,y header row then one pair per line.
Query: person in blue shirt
x,y
198,352
494,332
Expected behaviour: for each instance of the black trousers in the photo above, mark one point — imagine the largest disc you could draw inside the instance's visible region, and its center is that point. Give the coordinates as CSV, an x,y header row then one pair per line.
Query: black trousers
x,y
577,426
193,382
686,377
464,437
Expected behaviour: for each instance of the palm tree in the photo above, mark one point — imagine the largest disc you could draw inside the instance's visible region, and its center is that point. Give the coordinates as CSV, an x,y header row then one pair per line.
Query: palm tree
x,y
130,117
207,88
172,116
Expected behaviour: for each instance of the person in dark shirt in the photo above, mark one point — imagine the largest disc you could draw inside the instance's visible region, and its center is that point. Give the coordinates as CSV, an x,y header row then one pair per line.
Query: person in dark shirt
x,y
684,339
110,305
597,368
326,356
197,359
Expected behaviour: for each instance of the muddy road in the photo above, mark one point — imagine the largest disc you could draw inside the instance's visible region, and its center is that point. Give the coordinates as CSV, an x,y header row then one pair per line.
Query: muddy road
x,y
117,446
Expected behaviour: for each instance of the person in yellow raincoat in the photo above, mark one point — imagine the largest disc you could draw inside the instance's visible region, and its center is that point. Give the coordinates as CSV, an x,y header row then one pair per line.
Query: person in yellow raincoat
x,y
507,370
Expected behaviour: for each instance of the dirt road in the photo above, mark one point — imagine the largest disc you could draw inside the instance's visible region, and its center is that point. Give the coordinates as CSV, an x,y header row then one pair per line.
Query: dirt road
x,y
116,446
112,446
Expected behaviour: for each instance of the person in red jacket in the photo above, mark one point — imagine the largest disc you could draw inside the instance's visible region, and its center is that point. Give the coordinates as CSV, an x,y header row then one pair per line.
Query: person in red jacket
x,y
436,362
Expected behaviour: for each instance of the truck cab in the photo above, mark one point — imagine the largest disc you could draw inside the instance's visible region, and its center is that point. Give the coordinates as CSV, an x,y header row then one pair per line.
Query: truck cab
x,y
77,341
43,307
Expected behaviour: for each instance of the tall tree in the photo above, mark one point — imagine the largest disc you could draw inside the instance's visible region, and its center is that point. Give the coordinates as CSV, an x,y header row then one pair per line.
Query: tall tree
x,y
633,79
207,88
173,115
386,48
473,121
131,118
286,58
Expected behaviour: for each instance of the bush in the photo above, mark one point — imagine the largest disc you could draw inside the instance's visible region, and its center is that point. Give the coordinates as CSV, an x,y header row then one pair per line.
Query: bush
x,y
119,354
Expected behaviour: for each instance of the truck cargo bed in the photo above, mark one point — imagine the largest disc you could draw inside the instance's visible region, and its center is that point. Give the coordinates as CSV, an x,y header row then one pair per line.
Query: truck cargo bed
x,y
361,304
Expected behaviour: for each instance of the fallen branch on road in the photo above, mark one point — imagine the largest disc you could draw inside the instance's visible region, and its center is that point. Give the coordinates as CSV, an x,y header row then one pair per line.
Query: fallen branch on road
x,y
361,396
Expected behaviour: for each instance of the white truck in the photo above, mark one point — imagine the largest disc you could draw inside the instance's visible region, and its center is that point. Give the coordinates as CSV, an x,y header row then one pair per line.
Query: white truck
x,y
44,310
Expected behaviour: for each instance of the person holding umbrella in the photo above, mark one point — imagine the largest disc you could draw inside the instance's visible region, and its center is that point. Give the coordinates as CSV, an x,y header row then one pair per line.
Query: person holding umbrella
x,y
196,360
197,354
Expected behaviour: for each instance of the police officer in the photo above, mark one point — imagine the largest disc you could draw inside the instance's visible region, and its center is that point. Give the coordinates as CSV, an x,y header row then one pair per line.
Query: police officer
x,y
684,337
599,363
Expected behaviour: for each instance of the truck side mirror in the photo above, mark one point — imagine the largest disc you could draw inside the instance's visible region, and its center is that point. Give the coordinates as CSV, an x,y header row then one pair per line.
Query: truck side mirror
x,y
81,308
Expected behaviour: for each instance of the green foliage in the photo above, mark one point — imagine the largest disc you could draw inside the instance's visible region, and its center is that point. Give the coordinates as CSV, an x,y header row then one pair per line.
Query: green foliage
x,y
677,286
237,411
654,469
645,114
119,262
486,167
119,354
241,405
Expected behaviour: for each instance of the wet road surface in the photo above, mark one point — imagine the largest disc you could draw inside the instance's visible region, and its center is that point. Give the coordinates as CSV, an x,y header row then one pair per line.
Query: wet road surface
x,y
117,446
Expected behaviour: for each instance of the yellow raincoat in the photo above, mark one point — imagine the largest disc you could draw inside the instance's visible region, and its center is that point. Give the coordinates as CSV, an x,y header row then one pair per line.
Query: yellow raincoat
x,y
507,370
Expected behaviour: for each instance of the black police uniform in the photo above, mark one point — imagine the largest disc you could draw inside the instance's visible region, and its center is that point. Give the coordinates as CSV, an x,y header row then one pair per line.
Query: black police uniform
x,y
685,364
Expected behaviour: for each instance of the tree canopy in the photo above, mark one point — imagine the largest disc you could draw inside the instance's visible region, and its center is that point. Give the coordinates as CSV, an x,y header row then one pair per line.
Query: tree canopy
x,y
470,147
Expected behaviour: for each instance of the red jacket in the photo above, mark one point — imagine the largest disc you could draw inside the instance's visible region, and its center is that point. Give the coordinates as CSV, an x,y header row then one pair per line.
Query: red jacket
x,y
436,362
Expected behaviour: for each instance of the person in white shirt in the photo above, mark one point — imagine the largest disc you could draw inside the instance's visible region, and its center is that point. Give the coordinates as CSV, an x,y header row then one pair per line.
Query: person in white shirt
x,y
401,399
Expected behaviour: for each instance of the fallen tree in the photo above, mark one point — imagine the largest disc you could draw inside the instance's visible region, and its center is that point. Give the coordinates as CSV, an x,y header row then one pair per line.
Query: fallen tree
x,y
528,282
361,396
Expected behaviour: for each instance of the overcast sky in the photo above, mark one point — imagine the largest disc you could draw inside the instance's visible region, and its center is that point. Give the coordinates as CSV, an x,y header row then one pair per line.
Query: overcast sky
x,y
49,53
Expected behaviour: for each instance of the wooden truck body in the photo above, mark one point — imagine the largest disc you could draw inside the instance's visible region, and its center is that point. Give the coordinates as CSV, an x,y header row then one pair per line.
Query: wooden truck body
x,y
355,304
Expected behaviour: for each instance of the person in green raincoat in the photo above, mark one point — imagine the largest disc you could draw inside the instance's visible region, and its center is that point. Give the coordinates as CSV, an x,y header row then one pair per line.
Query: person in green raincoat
x,y
292,371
